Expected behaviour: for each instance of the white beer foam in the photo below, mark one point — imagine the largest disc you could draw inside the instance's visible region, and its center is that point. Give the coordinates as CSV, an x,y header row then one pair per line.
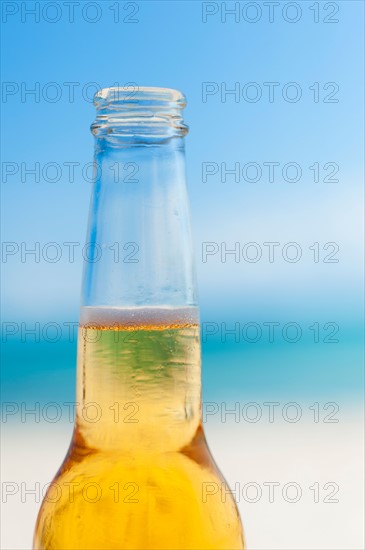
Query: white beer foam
x,y
146,315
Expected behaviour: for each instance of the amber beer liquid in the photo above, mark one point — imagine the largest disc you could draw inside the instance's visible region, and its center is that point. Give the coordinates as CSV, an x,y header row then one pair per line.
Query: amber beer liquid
x,y
139,474
145,458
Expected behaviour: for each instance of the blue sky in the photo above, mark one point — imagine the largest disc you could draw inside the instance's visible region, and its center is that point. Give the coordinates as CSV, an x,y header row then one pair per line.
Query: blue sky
x,y
170,45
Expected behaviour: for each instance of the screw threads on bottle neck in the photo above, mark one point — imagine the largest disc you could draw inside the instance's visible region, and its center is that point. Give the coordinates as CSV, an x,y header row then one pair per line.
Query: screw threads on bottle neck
x,y
139,114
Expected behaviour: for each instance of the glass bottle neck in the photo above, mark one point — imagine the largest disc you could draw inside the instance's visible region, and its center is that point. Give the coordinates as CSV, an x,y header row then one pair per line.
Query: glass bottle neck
x,y
139,377
139,241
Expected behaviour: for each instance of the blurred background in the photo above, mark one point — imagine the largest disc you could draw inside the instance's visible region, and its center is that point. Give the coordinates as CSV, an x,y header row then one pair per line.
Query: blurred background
x,y
275,171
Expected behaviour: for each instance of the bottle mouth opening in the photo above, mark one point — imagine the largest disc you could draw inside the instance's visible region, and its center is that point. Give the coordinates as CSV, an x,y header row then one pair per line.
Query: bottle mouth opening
x,y
131,94
139,111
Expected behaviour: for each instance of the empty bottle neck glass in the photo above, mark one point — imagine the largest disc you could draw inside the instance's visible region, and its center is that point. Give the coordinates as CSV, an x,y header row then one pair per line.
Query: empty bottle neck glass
x,y
139,349
139,238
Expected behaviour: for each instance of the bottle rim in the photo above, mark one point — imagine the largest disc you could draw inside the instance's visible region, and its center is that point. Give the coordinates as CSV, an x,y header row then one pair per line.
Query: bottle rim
x,y
132,93
139,112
